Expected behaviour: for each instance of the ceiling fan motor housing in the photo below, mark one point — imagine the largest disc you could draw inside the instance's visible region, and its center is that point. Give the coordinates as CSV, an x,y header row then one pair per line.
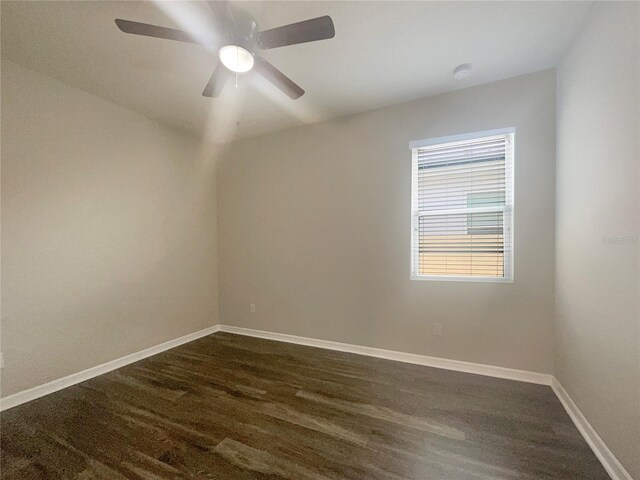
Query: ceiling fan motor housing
x,y
242,31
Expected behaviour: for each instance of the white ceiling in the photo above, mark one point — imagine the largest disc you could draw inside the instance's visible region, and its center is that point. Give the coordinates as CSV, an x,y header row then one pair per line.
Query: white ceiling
x,y
383,53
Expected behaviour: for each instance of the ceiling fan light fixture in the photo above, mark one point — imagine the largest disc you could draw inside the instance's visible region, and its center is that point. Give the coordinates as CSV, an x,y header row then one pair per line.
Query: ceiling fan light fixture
x,y
236,58
240,36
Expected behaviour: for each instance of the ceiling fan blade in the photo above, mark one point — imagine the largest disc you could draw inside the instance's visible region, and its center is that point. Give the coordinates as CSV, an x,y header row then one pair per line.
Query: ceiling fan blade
x,y
216,82
278,78
137,28
222,11
320,28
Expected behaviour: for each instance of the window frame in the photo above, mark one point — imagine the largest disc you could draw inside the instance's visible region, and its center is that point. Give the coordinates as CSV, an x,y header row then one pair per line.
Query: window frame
x,y
507,209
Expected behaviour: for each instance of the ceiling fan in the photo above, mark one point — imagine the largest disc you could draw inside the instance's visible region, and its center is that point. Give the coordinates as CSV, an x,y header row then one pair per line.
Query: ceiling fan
x,y
240,39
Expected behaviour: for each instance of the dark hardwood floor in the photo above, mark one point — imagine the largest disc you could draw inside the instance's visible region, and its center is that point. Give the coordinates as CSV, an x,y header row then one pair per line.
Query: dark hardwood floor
x,y
232,407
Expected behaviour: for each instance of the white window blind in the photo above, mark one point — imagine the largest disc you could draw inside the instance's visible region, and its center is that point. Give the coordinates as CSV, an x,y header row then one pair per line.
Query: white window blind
x,y
462,199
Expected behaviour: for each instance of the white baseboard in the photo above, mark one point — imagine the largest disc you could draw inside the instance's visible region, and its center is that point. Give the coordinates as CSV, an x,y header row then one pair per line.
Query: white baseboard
x,y
64,382
609,461
447,364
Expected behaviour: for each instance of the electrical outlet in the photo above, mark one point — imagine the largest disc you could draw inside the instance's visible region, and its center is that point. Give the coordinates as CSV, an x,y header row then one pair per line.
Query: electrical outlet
x,y
252,308
437,329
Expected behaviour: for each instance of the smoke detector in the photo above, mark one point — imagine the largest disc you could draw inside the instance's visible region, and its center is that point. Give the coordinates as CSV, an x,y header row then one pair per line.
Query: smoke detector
x,y
462,71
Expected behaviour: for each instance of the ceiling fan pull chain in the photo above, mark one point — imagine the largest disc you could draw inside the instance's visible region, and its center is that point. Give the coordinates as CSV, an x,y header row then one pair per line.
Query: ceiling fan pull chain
x,y
237,63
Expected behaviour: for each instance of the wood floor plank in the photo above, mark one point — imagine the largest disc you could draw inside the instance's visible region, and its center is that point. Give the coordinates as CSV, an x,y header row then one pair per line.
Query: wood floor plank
x,y
234,408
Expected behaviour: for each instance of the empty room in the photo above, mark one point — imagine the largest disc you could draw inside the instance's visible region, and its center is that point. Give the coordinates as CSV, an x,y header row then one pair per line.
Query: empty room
x,y
320,240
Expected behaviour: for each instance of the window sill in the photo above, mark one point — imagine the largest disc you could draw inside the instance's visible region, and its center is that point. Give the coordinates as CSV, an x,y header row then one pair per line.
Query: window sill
x,y
430,278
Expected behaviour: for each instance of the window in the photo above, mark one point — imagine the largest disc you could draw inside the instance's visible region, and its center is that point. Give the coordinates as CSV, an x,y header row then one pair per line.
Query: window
x,y
462,204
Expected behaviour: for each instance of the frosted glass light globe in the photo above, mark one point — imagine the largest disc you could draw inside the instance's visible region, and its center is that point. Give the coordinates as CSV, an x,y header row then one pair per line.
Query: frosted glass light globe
x,y
236,59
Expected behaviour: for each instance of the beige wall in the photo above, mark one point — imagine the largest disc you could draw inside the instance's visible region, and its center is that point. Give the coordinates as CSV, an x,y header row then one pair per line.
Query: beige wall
x,y
108,232
598,227
314,228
